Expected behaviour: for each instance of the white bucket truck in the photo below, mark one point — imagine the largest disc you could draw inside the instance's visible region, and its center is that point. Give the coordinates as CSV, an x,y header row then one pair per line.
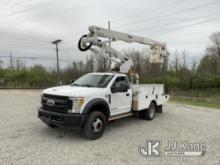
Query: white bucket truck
x,y
94,99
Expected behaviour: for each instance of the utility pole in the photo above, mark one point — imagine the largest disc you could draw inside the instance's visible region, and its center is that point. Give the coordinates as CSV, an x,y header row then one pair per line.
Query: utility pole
x,y
109,28
11,61
56,42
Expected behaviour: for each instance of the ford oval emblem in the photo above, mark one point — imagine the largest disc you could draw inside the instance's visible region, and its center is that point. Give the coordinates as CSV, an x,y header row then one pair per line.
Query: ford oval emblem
x,y
50,103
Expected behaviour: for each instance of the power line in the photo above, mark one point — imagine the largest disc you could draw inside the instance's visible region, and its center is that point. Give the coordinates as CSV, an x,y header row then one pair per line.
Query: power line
x,y
19,12
36,58
184,26
13,44
150,11
11,41
25,42
171,13
191,39
169,4
139,13
176,22
33,37
164,15
162,25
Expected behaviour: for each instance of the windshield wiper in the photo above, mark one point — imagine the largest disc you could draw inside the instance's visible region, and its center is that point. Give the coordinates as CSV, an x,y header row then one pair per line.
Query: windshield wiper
x,y
83,85
74,84
87,85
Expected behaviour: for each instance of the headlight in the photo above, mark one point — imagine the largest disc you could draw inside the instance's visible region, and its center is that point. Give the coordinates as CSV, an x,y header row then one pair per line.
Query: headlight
x,y
77,104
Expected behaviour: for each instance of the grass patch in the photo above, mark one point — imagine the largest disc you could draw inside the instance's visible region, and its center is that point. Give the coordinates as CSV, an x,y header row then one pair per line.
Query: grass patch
x,y
209,92
202,102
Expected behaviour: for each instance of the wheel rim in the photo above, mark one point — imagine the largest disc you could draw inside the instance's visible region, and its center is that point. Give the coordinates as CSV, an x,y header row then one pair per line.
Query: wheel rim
x,y
151,111
97,125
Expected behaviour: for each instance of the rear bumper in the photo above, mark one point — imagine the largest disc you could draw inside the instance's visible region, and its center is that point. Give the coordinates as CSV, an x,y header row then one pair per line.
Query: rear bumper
x,y
63,120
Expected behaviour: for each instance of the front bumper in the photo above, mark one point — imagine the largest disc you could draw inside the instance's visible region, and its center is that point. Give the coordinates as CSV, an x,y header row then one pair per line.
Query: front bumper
x,y
64,120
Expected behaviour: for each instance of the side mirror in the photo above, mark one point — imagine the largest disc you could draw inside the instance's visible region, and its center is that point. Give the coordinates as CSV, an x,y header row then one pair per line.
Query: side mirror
x,y
123,87
114,89
119,87
72,81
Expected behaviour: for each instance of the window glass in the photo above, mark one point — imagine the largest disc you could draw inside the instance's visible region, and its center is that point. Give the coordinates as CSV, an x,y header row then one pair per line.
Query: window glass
x,y
93,80
123,80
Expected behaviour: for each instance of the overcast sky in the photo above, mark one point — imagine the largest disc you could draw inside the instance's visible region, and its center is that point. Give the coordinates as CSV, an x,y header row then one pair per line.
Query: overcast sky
x,y
27,27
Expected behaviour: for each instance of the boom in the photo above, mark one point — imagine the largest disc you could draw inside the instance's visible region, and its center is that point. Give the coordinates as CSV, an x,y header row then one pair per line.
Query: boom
x,y
120,62
114,35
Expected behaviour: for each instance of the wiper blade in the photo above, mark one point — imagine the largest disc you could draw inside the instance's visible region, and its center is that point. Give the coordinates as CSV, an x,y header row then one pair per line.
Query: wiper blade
x,y
87,85
83,85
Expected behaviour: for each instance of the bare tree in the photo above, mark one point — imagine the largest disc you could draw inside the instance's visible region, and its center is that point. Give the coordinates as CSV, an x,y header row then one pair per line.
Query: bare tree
x,y
194,64
1,63
139,60
210,63
215,38
164,68
184,56
19,64
175,63
100,62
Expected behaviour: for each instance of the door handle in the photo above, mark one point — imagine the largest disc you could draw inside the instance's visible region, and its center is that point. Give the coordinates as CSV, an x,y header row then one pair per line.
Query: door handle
x,y
127,94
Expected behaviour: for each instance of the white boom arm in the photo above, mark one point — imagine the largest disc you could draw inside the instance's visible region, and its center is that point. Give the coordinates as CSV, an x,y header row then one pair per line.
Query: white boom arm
x,y
122,63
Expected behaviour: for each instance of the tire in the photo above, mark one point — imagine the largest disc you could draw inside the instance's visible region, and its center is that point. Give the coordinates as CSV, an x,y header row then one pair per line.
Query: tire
x,y
149,113
159,109
94,126
83,48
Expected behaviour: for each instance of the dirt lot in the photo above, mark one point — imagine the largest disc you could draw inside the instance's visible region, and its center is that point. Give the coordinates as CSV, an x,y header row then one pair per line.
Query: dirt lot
x,y
24,139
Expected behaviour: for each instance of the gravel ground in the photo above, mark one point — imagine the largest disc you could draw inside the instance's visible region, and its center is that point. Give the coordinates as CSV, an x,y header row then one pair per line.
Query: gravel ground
x,y
24,139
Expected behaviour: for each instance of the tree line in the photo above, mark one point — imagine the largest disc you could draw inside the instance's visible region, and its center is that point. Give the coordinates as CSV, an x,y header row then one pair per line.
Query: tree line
x,y
174,73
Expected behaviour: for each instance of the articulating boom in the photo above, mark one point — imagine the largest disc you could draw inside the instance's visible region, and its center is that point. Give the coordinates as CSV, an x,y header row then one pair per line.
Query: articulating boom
x,y
119,61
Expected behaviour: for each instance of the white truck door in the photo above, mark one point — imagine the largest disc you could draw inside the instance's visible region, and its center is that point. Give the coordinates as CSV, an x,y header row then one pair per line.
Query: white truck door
x,y
121,99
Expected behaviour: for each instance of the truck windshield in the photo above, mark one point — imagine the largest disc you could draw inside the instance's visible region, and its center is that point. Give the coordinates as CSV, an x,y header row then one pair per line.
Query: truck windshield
x,y
93,80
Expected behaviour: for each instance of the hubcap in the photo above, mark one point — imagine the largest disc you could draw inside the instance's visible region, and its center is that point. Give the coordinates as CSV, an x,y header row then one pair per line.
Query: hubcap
x,y
97,125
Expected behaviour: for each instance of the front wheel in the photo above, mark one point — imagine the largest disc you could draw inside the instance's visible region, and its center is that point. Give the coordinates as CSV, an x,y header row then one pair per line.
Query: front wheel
x,y
95,125
149,113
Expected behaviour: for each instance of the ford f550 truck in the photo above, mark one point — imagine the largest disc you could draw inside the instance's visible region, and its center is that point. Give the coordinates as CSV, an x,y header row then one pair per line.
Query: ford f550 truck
x,y
94,99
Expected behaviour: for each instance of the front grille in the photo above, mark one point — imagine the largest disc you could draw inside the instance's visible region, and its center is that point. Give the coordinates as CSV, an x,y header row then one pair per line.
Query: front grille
x,y
61,103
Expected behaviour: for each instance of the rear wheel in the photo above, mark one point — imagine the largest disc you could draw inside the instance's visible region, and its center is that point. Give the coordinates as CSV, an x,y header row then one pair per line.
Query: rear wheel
x,y
149,113
95,125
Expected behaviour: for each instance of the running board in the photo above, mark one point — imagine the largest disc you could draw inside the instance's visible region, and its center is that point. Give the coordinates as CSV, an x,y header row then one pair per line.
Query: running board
x,y
120,116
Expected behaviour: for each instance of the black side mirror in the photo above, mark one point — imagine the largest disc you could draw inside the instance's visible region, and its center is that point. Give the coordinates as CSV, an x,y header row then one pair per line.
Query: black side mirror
x,y
119,87
114,88
71,81
123,87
